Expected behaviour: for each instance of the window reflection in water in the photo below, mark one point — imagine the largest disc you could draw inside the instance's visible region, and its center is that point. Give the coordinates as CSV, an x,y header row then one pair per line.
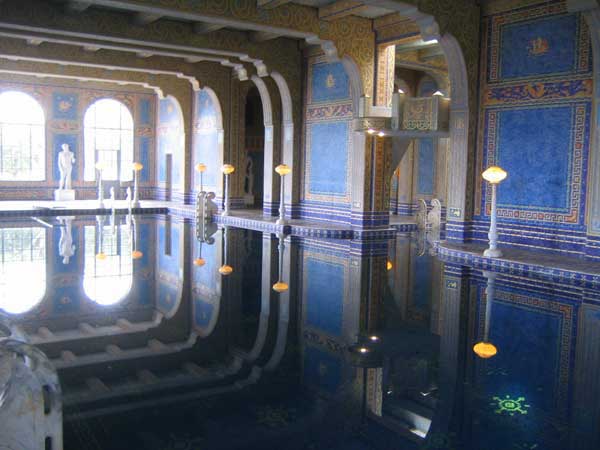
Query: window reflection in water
x,y
22,268
108,269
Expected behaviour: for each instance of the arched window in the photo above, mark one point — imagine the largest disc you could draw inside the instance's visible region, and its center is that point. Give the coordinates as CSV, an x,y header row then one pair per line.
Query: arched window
x,y
22,268
22,138
108,268
108,132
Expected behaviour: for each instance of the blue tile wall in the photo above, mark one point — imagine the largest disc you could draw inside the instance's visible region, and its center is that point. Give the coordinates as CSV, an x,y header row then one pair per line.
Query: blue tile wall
x,y
425,166
329,158
322,370
324,284
535,116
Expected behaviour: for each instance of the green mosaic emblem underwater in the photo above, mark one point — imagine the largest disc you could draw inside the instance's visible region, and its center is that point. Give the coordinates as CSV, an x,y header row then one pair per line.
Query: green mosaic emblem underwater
x,y
510,405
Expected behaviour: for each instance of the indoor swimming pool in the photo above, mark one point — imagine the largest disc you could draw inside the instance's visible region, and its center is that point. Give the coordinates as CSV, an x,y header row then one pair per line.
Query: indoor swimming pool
x,y
157,332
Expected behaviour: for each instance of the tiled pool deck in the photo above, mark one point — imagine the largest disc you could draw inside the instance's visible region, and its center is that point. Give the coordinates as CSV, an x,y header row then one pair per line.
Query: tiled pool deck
x,y
515,261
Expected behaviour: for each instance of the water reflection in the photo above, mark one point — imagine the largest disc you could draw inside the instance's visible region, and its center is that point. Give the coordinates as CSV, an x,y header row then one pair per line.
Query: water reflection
x,y
367,348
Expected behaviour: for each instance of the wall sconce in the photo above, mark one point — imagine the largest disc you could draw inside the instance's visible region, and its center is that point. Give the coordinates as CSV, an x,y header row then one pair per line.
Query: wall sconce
x,y
282,170
227,170
137,167
201,168
494,175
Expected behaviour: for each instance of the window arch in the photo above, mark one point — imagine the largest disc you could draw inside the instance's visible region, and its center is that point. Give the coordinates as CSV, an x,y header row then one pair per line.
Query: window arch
x,y
108,267
22,251
108,138
22,138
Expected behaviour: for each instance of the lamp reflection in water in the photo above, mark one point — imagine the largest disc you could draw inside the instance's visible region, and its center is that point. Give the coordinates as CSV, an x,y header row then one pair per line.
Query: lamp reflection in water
x,y
485,349
227,170
280,286
135,253
108,265
493,175
100,167
225,269
282,170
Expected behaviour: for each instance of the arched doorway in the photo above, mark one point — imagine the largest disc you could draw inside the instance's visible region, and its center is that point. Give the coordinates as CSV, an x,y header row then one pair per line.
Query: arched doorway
x,y
254,145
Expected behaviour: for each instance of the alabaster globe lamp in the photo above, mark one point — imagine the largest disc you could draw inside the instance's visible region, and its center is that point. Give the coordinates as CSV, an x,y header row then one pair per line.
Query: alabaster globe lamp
x,y
494,175
282,170
201,168
137,167
227,170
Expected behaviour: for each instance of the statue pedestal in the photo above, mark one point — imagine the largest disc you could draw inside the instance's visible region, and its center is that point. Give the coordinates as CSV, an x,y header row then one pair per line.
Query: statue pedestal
x,y
64,195
248,199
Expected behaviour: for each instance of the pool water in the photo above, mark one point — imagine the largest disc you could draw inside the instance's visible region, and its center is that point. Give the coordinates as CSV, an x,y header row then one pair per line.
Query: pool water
x,y
166,335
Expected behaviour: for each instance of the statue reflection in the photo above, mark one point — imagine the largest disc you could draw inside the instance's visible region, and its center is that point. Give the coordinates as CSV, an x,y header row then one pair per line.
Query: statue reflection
x,y
66,249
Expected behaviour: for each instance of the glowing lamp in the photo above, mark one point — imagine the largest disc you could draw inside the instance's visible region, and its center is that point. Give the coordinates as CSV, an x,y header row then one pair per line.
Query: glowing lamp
x,y
381,134
374,338
200,167
101,256
136,254
400,91
137,166
199,262
227,169
225,270
371,131
438,94
389,265
494,174
363,350
283,169
485,350
280,286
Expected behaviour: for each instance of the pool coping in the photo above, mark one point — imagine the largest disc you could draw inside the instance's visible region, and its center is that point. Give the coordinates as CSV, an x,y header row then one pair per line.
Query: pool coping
x,y
526,263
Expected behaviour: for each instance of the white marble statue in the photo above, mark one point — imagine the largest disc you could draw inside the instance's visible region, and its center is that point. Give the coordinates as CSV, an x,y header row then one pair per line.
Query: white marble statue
x,y
66,159
434,217
421,214
249,182
66,249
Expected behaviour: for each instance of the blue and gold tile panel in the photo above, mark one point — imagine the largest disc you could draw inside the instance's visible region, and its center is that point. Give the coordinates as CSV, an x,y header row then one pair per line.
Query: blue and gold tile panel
x,y
329,82
548,188
327,170
529,43
65,105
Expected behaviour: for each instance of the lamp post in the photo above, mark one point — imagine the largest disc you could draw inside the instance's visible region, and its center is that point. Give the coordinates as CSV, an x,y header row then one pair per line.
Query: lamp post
x,y
493,175
485,349
280,286
201,168
227,170
282,170
136,195
100,168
